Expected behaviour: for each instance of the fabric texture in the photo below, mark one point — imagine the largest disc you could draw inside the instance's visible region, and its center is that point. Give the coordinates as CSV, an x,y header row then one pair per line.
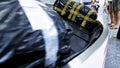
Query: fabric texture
x,y
116,5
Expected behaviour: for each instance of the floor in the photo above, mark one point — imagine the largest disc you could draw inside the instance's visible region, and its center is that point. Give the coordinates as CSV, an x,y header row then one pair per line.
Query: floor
x,y
113,51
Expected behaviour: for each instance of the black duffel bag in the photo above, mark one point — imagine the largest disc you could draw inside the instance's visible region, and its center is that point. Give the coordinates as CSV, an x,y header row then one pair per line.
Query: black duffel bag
x,y
78,13
21,46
